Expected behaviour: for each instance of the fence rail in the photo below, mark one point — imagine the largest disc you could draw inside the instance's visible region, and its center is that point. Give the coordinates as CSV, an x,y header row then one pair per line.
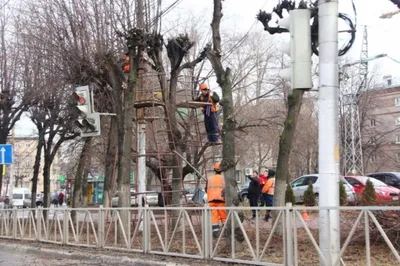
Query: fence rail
x,y
291,239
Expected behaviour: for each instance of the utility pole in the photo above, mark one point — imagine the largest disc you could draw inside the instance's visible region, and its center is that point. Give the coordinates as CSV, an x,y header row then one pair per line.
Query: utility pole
x,y
141,126
328,128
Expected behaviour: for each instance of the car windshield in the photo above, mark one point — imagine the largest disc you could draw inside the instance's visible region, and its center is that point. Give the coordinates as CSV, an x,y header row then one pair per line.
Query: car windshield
x,y
17,196
397,174
374,181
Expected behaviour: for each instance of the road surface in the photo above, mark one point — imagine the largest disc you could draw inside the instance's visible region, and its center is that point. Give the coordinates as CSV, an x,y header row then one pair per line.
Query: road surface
x,y
21,257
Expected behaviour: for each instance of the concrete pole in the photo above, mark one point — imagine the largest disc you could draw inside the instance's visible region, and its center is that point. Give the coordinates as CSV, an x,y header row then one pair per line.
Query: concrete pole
x,y
141,125
328,128
141,160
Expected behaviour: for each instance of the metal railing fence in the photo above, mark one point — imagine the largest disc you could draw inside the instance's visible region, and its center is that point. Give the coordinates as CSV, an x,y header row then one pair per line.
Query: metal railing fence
x,y
290,239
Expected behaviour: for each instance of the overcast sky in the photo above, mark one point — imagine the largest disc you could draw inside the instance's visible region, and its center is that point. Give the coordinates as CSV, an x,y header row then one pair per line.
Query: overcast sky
x,y
239,18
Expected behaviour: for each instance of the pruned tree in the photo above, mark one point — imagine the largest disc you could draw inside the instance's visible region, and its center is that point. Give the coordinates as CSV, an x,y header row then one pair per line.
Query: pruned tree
x,y
14,97
294,101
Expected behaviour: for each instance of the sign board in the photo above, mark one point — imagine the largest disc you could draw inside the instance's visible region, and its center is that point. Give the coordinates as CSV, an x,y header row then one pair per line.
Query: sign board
x,y
6,154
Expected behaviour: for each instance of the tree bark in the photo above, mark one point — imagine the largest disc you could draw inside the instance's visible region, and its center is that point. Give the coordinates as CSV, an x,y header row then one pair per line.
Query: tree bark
x,y
110,162
77,194
229,126
36,169
285,146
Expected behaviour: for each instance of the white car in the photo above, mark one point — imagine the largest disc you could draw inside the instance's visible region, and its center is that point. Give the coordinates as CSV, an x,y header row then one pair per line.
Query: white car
x,y
151,198
114,201
21,197
300,185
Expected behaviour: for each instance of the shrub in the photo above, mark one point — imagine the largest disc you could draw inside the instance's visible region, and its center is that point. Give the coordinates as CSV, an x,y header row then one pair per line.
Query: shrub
x,y
289,195
309,196
369,195
342,194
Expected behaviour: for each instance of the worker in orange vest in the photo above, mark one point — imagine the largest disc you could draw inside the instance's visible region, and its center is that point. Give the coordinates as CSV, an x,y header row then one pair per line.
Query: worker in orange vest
x,y
215,189
127,67
268,190
210,112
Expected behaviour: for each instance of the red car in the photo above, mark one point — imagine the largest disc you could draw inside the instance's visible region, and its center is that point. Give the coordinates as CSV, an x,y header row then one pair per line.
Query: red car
x,y
384,193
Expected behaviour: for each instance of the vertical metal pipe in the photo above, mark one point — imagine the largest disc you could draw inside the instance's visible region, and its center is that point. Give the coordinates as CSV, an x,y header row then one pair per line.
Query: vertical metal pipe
x,y
328,157
289,235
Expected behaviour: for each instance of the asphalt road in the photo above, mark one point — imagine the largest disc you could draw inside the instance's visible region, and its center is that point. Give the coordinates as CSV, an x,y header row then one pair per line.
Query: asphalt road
x,y
19,258
22,258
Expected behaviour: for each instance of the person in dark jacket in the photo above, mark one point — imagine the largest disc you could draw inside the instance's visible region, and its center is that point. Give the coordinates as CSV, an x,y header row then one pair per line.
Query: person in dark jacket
x,y
210,112
254,191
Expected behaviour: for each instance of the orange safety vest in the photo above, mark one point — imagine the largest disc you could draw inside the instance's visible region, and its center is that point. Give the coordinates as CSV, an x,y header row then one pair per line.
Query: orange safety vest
x,y
215,186
269,187
214,106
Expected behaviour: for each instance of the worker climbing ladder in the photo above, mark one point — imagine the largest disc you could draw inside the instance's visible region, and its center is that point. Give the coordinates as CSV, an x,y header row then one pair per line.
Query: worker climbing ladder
x,y
168,160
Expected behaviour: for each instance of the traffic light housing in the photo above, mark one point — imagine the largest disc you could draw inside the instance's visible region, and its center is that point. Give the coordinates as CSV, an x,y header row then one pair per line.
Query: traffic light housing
x,y
87,120
299,49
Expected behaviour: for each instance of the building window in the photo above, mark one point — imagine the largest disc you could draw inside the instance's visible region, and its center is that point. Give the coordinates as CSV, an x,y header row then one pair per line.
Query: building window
x,y
27,145
372,121
238,176
397,99
372,158
398,139
398,157
398,121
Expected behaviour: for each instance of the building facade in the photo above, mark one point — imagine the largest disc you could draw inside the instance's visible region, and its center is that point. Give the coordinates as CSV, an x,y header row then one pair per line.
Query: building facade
x,y
24,150
380,116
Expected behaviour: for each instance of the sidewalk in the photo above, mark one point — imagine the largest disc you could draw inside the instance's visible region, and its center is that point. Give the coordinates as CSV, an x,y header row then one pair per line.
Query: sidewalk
x,y
36,253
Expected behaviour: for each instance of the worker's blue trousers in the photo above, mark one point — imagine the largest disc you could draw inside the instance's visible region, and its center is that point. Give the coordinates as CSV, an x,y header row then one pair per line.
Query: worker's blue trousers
x,y
211,124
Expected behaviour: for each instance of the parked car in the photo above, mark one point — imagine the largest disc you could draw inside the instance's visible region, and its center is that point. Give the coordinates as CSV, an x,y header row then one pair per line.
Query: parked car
x,y
300,185
151,198
389,178
21,197
243,191
114,200
384,193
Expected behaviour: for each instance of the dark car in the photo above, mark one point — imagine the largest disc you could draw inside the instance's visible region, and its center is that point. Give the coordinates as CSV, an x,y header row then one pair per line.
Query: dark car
x,y
243,191
389,178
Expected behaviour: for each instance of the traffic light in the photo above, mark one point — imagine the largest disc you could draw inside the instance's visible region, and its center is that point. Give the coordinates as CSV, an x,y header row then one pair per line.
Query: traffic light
x,y
299,49
87,120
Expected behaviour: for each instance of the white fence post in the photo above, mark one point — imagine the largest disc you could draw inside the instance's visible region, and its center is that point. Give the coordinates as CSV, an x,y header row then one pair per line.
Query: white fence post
x,y
38,223
65,227
101,227
14,221
289,235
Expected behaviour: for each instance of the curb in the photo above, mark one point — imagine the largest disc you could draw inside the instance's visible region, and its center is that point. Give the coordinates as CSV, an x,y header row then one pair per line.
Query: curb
x,y
106,259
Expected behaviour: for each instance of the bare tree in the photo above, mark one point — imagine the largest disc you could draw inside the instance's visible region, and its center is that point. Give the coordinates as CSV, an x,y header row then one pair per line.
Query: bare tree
x,y
14,99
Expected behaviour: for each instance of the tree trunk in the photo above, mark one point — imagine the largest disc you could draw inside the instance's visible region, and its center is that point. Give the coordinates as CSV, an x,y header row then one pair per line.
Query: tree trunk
x,y
229,126
110,162
46,185
77,194
84,185
36,169
285,146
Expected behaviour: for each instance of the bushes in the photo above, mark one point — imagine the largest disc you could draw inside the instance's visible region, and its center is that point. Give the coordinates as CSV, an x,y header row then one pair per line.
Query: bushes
x,y
289,195
342,194
309,196
368,195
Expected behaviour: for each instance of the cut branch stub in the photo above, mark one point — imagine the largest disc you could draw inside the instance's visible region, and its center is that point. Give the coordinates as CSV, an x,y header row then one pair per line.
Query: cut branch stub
x,y
177,48
135,38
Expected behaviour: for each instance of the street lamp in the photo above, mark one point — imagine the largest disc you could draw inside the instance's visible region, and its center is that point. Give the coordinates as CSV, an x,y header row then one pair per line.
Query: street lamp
x,y
389,14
